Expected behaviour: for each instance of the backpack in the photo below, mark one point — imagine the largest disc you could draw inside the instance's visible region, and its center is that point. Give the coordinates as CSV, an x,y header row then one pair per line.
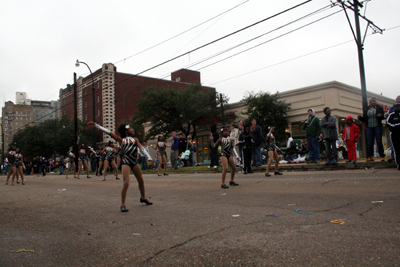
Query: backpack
x,y
194,148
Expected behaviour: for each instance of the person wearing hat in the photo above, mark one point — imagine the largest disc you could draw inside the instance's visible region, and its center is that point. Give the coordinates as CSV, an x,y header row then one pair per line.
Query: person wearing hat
x,y
393,122
374,129
313,130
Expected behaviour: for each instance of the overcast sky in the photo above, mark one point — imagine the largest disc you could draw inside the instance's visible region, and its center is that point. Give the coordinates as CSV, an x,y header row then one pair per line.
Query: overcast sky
x,y
41,40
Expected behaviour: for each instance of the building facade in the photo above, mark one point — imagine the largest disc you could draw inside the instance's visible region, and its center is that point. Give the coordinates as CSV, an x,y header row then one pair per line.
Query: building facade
x,y
14,117
343,100
116,95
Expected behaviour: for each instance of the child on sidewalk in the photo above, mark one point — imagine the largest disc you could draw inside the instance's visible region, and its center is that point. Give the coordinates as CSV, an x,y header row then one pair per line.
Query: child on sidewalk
x,y
350,135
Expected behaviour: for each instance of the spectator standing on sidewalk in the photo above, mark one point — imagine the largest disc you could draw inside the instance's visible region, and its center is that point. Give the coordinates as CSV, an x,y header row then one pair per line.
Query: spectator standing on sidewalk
x,y
391,110
174,151
234,135
143,157
61,164
393,122
350,136
313,130
214,150
258,137
328,123
374,129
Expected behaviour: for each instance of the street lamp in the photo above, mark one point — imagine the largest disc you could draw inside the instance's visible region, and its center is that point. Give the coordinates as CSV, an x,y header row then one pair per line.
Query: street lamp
x,y
94,112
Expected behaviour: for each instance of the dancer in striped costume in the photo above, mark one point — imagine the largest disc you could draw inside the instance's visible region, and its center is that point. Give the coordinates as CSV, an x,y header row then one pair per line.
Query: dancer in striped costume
x,y
18,164
109,159
225,156
129,147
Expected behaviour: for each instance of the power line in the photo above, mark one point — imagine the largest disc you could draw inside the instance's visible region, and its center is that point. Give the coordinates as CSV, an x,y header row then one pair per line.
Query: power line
x,y
308,24
185,54
181,32
255,38
291,59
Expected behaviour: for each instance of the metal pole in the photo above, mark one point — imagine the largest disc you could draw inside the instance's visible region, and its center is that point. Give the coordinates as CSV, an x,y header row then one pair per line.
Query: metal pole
x,y
361,58
75,121
360,49
2,143
222,109
94,110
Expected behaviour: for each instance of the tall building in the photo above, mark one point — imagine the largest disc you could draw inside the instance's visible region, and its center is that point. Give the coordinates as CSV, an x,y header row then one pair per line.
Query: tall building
x,y
14,117
45,110
116,94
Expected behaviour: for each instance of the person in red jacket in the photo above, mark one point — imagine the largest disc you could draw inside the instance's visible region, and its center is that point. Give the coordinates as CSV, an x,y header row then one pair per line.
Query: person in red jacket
x,y
350,135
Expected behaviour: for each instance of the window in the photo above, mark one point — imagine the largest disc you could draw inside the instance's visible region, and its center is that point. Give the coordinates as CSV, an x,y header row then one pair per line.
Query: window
x,y
16,112
28,113
98,112
98,98
85,116
85,104
64,112
51,116
85,91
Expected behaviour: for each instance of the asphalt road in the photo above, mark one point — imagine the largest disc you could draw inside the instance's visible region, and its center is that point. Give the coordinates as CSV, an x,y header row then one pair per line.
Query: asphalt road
x,y
194,222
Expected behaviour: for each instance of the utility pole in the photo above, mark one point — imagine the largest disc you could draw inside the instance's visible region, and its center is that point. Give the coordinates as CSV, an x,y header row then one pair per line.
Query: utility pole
x,y
75,147
360,45
222,109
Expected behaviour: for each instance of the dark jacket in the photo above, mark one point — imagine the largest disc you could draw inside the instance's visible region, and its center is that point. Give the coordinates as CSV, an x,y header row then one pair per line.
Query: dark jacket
x,y
258,135
379,110
182,145
215,134
246,139
393,122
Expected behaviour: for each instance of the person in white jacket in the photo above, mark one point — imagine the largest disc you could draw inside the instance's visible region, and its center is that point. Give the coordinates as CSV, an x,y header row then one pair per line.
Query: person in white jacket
x,y
235,140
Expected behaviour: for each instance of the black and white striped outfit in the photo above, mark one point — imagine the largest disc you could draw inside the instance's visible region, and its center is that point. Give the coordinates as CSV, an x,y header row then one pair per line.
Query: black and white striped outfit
x,y
161,149
103,155
11,158
82,155
70,157
226,147
271,145
109,154
17,160
129,152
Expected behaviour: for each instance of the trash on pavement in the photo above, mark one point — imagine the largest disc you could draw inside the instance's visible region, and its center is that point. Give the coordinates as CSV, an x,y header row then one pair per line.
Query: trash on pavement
x,y
299,211
235,215
23,250
340,221
271,215
136,234
377,201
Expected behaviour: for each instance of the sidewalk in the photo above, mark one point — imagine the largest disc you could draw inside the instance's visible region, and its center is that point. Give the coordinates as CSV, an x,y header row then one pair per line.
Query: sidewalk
x,y
321,166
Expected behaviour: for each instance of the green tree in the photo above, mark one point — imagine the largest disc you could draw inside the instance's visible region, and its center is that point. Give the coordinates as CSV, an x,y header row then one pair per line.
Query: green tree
x,y
42,139
268,110
170,109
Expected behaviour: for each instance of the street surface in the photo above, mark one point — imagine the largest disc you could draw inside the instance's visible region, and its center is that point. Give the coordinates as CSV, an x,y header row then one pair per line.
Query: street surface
x,y
194,222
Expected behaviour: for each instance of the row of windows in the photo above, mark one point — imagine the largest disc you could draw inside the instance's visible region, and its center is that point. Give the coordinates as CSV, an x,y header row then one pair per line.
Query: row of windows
x,y
21,112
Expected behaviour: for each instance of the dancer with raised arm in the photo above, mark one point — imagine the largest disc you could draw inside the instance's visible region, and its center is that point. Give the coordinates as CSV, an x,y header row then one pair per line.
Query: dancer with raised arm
x,y
129,147
18,164
226,159
82,159
109,159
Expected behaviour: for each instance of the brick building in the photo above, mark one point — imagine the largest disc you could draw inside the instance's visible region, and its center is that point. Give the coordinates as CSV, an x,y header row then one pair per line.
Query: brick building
x,y
116,94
